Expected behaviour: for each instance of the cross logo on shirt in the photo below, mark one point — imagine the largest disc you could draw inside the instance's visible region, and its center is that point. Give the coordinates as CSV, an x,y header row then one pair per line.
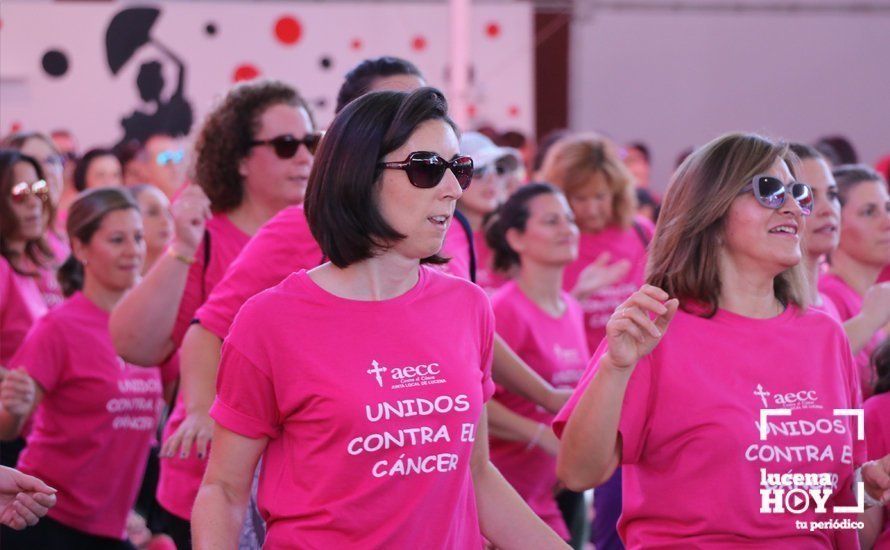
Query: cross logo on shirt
x,y
376,371
762,394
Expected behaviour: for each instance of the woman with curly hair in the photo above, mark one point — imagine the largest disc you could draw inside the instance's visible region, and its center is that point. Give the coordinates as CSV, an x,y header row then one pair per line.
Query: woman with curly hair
x,y
252,159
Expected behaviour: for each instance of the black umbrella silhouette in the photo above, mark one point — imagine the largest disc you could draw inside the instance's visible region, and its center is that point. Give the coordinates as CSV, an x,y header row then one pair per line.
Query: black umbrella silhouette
x,y
128,31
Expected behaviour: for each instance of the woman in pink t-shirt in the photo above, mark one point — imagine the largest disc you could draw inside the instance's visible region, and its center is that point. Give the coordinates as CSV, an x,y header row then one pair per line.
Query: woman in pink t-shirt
x,y
877,435
610,263
534,234
864,250
253,155
367,406
94,415
681,390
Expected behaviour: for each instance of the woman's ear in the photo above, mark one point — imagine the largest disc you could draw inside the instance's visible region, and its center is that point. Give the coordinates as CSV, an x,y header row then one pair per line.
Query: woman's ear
x,y
515,239
80,250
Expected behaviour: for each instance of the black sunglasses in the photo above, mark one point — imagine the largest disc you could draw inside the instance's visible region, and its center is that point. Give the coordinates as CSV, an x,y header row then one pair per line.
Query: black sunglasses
x,y
771,193
286,145
426,169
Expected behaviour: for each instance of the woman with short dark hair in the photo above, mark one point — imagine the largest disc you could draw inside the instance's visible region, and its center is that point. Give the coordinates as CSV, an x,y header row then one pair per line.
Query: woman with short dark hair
x,y
382,442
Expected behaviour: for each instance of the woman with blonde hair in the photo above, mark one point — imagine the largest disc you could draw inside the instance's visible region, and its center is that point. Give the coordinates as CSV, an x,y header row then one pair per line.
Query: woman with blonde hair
x,y
722,332
610,264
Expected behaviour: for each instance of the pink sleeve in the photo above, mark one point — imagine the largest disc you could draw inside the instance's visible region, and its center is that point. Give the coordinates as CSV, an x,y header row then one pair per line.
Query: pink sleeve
x,y
245,398
875,430
851,376
634,423
487,350
192,296
281,247
170,368
509,324
42,355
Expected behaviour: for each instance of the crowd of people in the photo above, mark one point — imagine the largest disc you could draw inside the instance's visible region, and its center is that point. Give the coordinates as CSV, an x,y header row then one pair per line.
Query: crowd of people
x,y
394,332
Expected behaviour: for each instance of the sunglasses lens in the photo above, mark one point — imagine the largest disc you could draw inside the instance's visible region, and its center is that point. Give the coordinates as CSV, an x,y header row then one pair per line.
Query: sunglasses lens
x,y
20,192
770,191
462,167
285,146
425,170
804,197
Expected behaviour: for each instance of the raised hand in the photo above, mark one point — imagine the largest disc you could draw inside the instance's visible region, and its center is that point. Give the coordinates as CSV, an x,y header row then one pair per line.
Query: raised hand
x,y
599,274
631,332
190,211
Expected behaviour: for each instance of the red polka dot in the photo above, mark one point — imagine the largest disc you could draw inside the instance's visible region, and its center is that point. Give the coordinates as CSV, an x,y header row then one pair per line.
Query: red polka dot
x,y
493,30
471,110
418,43
288,30
513,111
356,44
245,71
15,127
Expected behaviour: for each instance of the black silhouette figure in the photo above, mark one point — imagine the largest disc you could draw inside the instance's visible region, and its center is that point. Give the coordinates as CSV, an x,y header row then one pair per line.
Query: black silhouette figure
x,y
128,32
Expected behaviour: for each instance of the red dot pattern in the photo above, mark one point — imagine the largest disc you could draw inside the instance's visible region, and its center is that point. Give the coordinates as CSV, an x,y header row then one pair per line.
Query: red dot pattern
x,y
418,43
493,30
15,127
356,44
513,111
288,30
471,110
245,71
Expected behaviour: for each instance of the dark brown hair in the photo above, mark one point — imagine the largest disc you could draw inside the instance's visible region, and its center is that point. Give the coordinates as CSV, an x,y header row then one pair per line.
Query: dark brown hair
x,y
513,214
341,197
849,176
683,258
224,138
880,359
37,251
83,165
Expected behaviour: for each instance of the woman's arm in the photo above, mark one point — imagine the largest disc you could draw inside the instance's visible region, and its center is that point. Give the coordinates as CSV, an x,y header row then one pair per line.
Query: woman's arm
x,y
19,397
142,322
505,519
874,315
219,508
873,520
590,449
198,363
511,372
506,424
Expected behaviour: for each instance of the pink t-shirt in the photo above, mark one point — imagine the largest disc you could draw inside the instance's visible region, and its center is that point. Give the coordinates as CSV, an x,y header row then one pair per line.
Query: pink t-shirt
x,y
622,244
827,307
92,430
370,408
885,275
556,348
179,478
226,242
848,304
692,452
281,247
877,434
457,248
21,303
486,276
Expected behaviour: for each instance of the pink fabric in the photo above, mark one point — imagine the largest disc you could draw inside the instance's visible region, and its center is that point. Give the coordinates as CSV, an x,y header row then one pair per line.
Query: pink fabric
x,y
848,304
486,276
556,348
353,396
691,448
226,242
282,246
877,434
827,307
885,275
622,244
179,478
92,430
21,304
457,248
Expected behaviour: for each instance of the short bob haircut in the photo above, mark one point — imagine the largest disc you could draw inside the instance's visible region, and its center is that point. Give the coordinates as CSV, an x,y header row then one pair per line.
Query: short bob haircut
x,y
83,165
684,253
341,197
359,80
576,161
37,251
225,136
513,214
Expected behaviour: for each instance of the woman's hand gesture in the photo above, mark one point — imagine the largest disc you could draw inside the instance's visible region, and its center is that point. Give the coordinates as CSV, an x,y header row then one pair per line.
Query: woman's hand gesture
x,y
631,332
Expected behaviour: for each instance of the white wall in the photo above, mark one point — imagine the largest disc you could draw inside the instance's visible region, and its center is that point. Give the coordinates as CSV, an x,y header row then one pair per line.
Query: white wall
x,y
90,101
680,79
